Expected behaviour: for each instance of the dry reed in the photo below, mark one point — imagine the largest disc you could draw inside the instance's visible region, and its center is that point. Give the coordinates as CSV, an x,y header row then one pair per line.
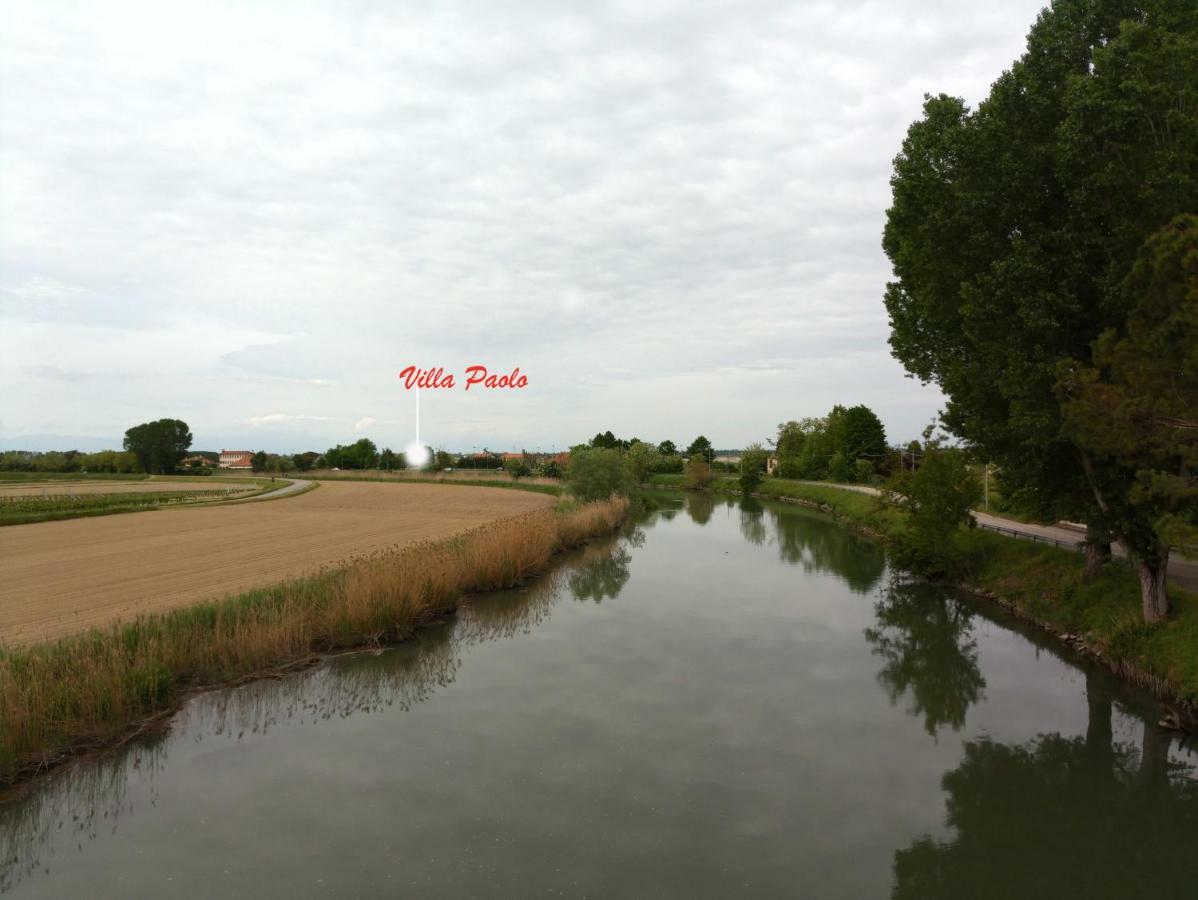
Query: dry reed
x,y
90,690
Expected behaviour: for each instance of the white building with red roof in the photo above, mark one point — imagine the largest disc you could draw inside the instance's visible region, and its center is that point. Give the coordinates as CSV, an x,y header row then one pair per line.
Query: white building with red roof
x,y
236,459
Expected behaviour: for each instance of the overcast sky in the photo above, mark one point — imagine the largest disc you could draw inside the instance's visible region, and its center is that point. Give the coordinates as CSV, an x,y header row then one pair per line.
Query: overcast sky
x,y
667,214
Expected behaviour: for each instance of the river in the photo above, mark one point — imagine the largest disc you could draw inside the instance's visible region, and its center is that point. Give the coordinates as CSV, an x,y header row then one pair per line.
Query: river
x,y
730,699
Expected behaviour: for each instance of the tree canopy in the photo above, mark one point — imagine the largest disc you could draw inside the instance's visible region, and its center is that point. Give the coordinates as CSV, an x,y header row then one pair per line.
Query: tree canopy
x,y
159,445
1014,227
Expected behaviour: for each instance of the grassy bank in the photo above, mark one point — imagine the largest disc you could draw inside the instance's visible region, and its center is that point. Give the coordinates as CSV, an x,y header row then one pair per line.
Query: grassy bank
x,y
1039,583
90,691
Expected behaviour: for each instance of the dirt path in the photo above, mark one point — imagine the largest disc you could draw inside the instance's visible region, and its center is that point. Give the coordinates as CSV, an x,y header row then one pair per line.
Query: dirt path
x,y
61,577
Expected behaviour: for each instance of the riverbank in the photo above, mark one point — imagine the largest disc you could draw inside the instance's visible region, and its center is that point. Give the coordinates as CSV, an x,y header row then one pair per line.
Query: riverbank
x,y
1043,585
86,692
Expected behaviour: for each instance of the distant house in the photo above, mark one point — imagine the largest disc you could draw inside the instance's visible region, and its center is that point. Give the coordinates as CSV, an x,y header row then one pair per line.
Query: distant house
x,y
190,462
771,466
236,459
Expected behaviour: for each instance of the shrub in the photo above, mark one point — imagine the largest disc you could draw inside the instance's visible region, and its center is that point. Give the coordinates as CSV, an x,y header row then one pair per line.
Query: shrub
x,y
939,497
752,467
697,473
597,473
863,471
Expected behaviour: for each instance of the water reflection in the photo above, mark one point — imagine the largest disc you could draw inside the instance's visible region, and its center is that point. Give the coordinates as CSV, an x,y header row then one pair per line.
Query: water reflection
x,y
1061,817
818,544
752,521
699,507
89,799
926,639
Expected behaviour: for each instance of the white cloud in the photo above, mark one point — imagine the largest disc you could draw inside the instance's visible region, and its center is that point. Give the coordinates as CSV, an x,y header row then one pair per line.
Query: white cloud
x,y
236,208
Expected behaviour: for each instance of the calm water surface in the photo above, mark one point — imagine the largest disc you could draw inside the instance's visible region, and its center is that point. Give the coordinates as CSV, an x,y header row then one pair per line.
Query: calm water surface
x,y
733,699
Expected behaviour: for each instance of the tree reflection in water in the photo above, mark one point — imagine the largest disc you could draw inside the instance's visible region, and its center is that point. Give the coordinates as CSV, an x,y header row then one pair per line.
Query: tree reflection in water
x,y
819,544
926,639
752,521
699,507
1061,817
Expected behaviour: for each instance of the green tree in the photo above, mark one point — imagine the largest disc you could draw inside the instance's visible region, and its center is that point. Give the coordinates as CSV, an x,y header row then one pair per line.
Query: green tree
x,y
752,467
597,474
159,445
283,464
388,460
697,473
1135,410
1013,227
608,441
864,436
641,459
515,467
939,498
259,461
700,446
667,448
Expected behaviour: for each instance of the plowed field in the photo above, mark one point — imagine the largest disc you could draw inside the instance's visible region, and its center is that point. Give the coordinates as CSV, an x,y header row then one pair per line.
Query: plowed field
x,y
61,577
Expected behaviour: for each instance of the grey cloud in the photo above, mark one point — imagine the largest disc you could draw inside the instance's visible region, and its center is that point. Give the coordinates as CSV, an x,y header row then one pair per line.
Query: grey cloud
x,y
623,195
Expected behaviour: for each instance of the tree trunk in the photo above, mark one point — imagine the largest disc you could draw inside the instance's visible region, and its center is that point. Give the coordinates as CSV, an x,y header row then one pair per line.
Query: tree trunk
x,y
1098,551
1154,593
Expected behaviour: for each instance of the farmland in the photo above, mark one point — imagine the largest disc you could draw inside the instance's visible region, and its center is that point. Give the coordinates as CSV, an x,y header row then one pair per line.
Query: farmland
x,y
25,503
121,566
53,488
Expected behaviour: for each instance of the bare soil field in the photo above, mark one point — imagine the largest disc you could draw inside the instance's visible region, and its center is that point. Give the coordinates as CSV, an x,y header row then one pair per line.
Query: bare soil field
x,y
55,488
62,577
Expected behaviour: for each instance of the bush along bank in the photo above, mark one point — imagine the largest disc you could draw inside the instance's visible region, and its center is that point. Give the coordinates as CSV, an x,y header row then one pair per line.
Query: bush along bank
x,y
1042,584
96,689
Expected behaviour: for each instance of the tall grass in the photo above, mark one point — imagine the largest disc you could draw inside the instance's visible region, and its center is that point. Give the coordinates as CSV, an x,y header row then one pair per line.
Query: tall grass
x,y
90,690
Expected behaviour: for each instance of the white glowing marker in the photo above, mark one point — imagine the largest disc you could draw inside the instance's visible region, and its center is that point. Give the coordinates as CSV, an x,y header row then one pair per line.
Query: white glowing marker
x,y
415,454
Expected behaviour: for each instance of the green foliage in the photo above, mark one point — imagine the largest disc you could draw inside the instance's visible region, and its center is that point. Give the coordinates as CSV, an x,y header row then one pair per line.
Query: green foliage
x,y
697,473
700,446
667,448
282,464
752,467
1014,227
597,474
259,461
829,447
938,498
517,468
641,459
305,462
863,471
159,445
608,441
362,454
1138,403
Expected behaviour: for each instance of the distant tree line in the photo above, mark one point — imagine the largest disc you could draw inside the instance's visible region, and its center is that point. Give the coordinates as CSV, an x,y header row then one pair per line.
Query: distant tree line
x,y
845,445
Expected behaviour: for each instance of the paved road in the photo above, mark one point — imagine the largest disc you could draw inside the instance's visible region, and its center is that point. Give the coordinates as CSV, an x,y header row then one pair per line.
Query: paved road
x,y
294,487
1182,572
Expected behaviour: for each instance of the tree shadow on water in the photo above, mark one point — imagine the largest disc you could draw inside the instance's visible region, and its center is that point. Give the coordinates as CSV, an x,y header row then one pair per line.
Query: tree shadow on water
x,y
820,545
925,639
